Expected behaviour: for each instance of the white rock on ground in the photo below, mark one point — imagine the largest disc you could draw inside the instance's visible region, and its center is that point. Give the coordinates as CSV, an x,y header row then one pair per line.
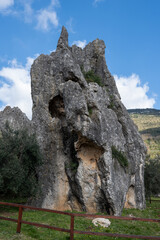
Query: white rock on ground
x,y
101,221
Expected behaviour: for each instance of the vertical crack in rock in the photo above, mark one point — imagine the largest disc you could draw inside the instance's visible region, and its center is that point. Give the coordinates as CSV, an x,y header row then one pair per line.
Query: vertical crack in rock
x,y
104,205
75,196
78,117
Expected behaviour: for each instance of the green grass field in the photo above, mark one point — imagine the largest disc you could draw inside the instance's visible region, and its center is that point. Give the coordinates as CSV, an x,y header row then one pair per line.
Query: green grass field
x,y
8,229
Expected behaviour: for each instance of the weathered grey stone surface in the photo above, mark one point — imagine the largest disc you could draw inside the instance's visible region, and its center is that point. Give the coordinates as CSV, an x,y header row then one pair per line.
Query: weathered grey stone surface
x,y
77,124
15,118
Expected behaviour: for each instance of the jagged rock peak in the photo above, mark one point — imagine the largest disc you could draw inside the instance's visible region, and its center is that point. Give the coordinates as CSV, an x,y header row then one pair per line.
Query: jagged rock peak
x,y
63,40
94,155
15,118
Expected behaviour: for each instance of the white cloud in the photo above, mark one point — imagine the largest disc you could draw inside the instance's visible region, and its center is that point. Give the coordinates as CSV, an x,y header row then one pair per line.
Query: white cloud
x,y
133,94
97,1
46,18
55,3
43,19
80,44
14,64
4,4
28,12
22,10
15,86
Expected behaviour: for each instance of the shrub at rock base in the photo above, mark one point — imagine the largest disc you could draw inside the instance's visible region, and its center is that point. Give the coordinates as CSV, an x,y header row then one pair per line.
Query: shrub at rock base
x,y
19,158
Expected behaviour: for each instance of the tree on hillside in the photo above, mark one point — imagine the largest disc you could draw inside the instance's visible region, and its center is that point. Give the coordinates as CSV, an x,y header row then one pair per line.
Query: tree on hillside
x,y
19,159
152,177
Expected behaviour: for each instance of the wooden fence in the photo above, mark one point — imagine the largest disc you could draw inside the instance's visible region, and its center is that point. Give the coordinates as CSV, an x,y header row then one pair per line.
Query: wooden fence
x,y
72,231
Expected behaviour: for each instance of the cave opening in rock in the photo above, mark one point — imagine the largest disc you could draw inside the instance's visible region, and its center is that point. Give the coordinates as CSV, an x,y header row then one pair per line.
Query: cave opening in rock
x,y
88,151
130,198
56,107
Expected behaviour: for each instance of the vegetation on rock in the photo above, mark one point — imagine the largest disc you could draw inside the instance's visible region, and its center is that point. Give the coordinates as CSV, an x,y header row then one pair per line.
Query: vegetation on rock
x,y
90,110
90,76
118,155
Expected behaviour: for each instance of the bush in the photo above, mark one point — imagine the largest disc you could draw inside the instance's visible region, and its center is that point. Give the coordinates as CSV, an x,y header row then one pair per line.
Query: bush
x,y
152,177
19,159
90,76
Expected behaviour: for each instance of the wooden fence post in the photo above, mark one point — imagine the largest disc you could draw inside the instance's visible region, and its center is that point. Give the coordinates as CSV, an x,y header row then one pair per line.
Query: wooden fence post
x,y
19,219
72,228
150,201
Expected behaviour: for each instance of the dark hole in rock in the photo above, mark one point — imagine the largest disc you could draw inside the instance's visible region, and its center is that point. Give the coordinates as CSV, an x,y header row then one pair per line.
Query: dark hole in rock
x,y
70,76
104,205
56,107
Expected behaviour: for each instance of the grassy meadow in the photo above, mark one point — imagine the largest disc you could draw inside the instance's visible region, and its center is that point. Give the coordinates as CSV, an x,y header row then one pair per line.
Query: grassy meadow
x,y
8,229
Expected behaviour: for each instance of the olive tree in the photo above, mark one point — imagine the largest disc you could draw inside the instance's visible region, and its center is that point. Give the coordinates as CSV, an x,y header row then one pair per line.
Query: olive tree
x,y
19,159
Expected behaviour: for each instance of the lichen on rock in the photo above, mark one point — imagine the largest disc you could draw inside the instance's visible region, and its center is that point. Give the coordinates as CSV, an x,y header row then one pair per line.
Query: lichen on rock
x,y
77,123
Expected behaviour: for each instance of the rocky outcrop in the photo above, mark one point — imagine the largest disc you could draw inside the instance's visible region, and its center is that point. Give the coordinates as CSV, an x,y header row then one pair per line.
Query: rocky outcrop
x,y
15,118
93,153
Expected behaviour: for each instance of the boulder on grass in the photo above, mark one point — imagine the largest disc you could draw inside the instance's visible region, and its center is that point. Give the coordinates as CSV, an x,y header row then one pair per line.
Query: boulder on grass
x,y
102,222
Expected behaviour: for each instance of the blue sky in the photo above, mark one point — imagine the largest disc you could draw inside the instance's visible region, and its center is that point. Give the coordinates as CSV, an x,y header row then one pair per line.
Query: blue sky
x,y
129,28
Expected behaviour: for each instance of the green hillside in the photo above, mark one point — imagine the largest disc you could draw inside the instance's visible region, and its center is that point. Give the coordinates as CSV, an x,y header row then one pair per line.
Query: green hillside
x,y
148,122
146,111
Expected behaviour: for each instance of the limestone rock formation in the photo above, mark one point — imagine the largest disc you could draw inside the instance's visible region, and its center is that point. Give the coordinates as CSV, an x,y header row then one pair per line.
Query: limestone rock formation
x,y
93,153
15,118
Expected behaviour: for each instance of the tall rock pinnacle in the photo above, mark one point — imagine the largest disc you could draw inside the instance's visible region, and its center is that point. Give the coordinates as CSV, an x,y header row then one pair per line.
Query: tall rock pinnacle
x,y
63,40
93,153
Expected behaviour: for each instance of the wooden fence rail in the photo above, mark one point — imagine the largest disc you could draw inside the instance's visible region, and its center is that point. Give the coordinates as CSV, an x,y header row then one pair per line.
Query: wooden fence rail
x,y
72,231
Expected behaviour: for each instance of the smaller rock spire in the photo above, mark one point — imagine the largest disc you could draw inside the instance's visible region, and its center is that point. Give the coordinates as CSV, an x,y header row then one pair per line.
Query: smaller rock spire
x,y
63,40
